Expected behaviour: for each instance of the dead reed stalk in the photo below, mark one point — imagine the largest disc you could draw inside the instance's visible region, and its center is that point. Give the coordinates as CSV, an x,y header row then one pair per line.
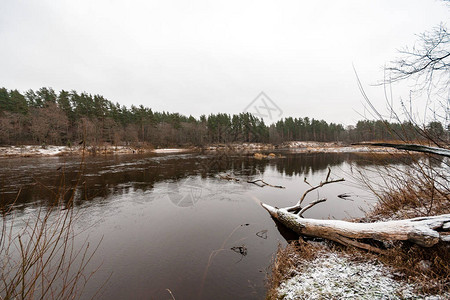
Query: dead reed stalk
x,y
40,254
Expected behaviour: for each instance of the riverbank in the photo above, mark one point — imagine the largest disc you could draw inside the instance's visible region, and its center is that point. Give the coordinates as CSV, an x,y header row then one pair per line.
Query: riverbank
x,y
38,151
321,269
321,272
295,146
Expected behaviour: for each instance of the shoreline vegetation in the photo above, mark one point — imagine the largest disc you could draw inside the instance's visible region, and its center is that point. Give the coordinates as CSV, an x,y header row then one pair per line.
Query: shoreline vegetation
x,y
294,146
48,117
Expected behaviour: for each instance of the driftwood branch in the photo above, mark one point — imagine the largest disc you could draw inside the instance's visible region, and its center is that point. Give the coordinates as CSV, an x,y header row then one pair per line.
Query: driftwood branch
x,y
297,207
263,183
229,178
258,182
425,231
411,147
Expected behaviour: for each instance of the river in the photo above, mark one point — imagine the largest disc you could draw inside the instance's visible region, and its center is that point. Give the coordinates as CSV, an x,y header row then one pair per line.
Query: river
x,y
168,222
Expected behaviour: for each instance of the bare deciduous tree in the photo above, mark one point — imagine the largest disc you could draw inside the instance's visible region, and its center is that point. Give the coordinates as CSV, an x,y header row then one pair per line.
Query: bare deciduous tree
x,y
428,62
49,124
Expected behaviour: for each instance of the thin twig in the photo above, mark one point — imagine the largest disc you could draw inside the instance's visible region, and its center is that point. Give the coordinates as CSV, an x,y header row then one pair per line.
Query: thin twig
x,y
297,207
170,292
264,184
311,205
258,182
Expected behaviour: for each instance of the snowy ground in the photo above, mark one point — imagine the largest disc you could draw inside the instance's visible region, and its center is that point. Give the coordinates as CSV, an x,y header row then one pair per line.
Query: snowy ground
x,y
332,147
240,146
35,150
32,150
307,147
292,146
170,150
337,276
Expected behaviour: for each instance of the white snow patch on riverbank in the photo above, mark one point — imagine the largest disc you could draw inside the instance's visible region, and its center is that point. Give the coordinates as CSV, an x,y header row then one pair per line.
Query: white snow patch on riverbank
x,y
336,276
35,150
170,150
32,150
51,150
332,147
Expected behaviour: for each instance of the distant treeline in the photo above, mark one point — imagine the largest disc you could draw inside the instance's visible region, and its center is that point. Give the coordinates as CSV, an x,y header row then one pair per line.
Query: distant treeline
x,y
64,118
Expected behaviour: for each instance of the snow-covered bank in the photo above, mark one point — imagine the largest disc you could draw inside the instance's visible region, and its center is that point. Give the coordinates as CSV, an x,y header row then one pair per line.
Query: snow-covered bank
x,y
327,147
339,276
239,147
300,147
171,150
33,150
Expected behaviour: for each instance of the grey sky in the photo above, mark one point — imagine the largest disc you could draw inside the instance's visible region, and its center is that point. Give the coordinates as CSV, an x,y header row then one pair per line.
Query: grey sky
x,y
201,57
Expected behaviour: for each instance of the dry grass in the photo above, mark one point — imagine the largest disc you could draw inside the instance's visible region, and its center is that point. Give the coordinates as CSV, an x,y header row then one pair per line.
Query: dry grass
x,y
428,268
40,258
40,254
422,189
410,200
419,188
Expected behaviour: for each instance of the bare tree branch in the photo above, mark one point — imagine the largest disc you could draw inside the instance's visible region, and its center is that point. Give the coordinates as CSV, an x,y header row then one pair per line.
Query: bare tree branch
x,y
428,62
311,205
297,207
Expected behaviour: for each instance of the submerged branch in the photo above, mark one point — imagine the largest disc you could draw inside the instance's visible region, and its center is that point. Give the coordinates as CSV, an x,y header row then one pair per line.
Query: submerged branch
x,y
258,182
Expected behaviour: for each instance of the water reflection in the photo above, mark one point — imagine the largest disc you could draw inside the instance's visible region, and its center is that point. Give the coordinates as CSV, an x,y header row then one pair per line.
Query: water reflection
x,y
40,179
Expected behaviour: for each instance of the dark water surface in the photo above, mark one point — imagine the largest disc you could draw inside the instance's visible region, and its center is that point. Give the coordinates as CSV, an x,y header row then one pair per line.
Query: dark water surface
x,y
166,221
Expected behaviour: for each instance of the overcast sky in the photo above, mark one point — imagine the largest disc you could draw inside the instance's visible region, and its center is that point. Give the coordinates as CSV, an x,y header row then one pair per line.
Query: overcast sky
x,y
201,57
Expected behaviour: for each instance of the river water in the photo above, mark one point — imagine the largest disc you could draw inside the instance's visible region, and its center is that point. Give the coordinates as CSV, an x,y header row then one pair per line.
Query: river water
x,y
168,222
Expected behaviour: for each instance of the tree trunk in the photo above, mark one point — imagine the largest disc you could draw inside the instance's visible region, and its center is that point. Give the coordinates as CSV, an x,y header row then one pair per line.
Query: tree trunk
x,y
424,231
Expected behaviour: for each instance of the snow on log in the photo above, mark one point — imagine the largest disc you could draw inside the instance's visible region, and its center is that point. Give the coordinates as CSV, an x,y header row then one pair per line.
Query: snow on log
x,y
411,147
424,231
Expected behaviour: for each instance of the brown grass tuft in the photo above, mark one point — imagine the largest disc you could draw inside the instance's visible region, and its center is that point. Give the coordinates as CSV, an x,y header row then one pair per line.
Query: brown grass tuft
x,y
427,267
411,200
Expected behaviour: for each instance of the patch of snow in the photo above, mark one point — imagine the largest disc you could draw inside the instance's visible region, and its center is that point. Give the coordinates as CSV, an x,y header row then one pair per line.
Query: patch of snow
x,y
32,150
332,147
169,150
333,276
51,150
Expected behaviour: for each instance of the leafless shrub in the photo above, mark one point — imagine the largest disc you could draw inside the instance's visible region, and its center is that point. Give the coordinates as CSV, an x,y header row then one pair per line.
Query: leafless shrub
x,y
427,62
40,253
422,186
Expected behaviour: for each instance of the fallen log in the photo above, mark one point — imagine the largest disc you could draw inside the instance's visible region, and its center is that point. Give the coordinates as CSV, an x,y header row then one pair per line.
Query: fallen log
x,y
424,231
411,147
